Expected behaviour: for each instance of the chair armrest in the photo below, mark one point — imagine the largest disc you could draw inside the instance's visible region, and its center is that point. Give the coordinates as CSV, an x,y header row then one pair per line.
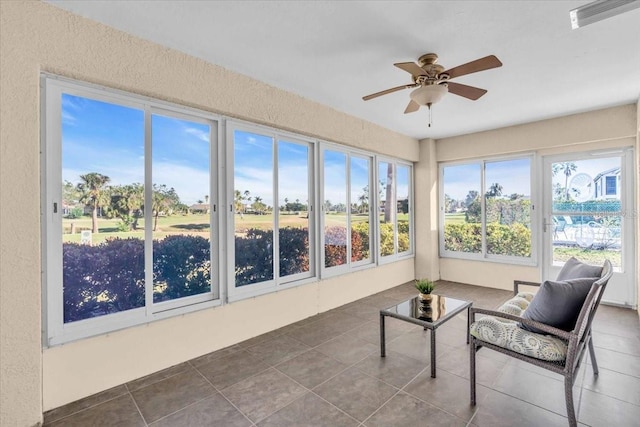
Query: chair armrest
x,y
517,283
543,327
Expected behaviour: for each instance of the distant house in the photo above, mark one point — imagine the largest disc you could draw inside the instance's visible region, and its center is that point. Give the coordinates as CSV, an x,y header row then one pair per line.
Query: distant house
x,y
200,208
608,184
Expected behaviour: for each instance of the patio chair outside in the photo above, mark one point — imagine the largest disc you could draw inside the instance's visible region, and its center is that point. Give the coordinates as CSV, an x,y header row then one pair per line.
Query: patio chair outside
x,y
557,350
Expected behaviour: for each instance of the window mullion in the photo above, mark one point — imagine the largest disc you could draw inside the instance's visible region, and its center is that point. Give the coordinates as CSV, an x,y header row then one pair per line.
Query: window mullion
x,y
348,212
148,213
483,211
276,214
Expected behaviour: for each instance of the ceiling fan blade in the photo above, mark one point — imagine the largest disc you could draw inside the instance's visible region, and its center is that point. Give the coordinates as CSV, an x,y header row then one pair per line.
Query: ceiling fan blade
x,y
384,92
469,92
481,64
412,107
412,68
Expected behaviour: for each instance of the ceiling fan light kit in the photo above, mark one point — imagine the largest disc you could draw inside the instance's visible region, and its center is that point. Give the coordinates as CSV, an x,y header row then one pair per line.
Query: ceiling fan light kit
x,y
432,81
428,95
599,10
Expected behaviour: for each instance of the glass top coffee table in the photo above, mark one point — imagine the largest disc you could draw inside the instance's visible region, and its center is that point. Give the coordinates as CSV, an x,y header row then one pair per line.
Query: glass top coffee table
x,y
429,315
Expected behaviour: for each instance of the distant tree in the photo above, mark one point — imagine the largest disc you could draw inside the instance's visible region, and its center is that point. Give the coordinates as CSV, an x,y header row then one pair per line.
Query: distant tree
x,y
164,199
126,204
70,194
388,209
567,168
449,204
495,190
93,193
364,199
474,211
471,197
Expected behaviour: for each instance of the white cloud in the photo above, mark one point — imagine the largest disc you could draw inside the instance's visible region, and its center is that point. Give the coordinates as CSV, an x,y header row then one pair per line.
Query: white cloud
x,y
191,184
198,133
68,118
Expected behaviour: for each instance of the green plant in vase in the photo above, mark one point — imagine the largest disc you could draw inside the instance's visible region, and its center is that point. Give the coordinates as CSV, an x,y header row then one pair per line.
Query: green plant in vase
x,y
425,287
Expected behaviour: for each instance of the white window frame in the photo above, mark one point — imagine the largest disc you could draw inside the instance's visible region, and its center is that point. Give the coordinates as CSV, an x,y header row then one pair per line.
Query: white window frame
x,y
55,331
251,290
396,254
348,265
483,255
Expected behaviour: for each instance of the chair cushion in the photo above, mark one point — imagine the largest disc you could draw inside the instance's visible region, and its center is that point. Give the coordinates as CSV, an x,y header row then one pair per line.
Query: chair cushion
x,y
574,269
509,335
558,303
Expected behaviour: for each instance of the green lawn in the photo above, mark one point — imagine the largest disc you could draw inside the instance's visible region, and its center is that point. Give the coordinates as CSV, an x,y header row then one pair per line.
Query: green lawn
x,y
590,256
454,218
197,224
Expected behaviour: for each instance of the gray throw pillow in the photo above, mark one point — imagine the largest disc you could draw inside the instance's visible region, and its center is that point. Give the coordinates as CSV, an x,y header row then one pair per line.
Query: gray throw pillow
x,y
558,303
574,269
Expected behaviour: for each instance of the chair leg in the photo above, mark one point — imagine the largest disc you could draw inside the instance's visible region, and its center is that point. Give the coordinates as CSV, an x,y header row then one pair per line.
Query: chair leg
x,y
568,395
592,353
472,370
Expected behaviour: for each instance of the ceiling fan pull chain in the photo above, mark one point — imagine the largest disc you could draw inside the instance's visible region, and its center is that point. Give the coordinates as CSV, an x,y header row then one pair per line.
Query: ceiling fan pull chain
x,y
430,117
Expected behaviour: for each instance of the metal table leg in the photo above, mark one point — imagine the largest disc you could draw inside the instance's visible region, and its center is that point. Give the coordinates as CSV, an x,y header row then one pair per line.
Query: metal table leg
x,y
468,323
382,337
433,353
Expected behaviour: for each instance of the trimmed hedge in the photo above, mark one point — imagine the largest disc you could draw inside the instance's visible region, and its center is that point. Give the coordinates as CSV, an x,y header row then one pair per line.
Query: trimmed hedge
x,y
109,277
514,239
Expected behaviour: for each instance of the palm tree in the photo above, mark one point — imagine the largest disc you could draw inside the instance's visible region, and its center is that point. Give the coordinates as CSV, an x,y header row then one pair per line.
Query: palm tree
x,y
127,202
93,194
388,209
495,190
164,199
364,201
568,168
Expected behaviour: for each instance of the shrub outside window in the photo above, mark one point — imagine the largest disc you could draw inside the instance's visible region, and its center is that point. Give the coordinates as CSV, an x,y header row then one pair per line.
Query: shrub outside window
x,y
497,225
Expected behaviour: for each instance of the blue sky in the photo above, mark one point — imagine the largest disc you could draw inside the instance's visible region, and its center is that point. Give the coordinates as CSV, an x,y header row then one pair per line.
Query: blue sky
x,y
513,175
109,139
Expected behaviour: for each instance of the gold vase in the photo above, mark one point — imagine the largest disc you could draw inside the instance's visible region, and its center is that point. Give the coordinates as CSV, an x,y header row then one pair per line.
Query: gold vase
x,y
424,297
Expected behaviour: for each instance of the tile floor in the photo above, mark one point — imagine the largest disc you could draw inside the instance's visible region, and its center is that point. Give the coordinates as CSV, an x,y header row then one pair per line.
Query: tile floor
x,y
326,371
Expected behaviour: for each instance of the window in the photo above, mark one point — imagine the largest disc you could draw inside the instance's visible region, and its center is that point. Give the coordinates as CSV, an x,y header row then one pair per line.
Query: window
x,y
128,237
346,211
131,210
394,218
360,218
611,186
272,187
497,225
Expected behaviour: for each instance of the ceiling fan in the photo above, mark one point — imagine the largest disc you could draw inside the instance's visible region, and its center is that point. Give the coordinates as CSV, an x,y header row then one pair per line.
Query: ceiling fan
x,y
433,81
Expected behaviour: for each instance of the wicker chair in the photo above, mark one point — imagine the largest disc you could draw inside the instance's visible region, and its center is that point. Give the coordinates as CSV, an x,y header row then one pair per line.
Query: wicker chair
x,y
565,348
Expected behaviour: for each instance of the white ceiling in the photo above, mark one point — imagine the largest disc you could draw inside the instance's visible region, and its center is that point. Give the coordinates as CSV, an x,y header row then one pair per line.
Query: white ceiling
x,y
335,52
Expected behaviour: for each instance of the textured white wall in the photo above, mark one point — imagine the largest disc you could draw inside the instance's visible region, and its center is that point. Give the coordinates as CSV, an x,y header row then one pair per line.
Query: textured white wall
x,y
37,37
426,211
574,130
